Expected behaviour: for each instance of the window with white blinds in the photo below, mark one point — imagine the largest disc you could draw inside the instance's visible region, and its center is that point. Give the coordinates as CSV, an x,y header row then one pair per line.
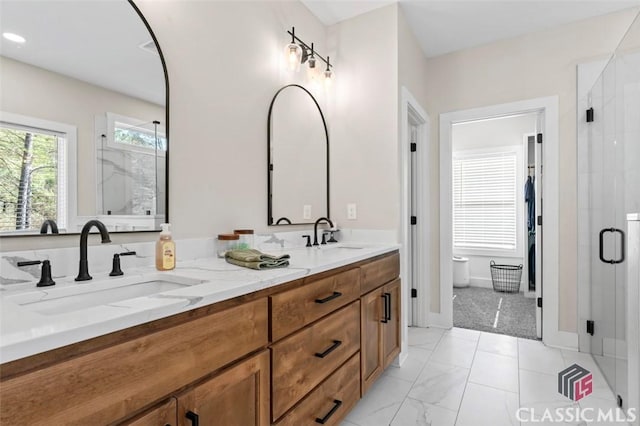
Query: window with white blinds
x,y
484,201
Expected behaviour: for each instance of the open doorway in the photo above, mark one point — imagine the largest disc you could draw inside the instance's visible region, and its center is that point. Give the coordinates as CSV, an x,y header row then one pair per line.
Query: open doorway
x,y
547,211
494,182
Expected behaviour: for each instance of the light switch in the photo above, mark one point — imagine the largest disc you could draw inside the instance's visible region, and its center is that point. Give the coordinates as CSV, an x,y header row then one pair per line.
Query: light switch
x,y
352,213
306,211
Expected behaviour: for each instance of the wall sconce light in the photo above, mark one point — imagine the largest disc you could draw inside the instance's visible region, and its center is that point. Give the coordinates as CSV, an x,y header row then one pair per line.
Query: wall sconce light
x,y
298,52
293,53
328,75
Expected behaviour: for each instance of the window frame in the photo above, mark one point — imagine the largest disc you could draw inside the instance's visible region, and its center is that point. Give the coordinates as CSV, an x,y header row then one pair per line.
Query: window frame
x,y
67,209
112,118
517,251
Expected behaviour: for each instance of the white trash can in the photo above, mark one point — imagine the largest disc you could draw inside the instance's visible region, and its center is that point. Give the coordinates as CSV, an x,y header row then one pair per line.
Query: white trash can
x,y
460,272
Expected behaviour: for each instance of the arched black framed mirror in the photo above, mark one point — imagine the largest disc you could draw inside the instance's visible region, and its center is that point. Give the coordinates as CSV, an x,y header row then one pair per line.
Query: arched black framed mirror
x,y
88,87
298,158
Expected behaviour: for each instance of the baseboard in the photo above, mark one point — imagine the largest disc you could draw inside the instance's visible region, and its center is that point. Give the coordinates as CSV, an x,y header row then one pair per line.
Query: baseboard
x,y
561,340
480,282
438,320
400,359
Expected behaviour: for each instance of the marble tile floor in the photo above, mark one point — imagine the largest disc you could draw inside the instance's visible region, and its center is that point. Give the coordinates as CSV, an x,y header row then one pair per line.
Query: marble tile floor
x,y
470,378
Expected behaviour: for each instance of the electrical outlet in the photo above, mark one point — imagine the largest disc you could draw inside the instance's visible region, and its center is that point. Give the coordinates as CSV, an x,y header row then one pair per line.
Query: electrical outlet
x,y
306,211
352,213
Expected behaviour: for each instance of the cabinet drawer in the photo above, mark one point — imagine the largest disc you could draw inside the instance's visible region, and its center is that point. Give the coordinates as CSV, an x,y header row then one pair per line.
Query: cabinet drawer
x,y
379,272
332,400
293,309
107,385
302,361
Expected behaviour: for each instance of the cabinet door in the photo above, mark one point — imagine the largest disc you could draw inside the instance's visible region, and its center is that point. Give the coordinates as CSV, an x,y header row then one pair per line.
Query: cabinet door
x,y
165,414
371,332
238,396
391,328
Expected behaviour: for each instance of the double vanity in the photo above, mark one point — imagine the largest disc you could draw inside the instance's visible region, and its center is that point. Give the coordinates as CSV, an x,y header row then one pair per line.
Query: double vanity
x,y
208,343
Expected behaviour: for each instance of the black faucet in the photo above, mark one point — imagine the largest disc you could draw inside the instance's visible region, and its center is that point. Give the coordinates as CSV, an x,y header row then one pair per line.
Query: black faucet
x,y
49,224
315,229
83,273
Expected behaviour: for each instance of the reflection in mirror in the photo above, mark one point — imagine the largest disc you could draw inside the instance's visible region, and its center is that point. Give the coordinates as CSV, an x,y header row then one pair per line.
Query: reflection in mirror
x,y
298,151
83,118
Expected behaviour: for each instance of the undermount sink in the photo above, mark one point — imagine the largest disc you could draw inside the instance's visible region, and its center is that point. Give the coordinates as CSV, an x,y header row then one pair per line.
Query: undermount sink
x,y
75,297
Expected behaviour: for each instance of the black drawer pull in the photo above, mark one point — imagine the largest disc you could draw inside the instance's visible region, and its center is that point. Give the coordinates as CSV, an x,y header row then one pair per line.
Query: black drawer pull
x,y
330,349
336,404
388,309
335,295
195,419
385,315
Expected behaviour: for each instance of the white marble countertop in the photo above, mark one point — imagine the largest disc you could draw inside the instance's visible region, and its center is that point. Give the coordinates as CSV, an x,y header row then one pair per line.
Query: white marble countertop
x,y
25,332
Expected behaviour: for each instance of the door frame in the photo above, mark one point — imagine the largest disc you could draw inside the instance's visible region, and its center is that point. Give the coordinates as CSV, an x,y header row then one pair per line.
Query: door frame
x,y
412,113
549,107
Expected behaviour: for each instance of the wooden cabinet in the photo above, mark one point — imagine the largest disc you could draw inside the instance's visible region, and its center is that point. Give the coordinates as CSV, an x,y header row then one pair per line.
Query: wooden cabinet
x,y
104,386
292,354
380,318
238,396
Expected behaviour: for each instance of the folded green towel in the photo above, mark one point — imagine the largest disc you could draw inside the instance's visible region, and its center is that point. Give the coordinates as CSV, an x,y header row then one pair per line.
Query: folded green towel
x,y
255,259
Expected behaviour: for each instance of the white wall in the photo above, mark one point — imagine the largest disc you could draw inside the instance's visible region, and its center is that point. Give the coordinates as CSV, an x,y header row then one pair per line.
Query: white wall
x,y
527,67
364,120
496,134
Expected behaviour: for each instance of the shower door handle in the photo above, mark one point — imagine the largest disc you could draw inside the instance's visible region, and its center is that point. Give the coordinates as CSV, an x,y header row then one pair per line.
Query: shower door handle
x,y
612,261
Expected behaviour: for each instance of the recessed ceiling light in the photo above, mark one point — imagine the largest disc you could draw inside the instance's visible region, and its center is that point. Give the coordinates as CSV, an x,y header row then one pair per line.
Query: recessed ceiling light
x,y
14,37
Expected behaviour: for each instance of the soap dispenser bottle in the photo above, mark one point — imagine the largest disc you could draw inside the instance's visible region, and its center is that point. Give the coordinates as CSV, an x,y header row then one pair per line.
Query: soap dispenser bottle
x,y
165,250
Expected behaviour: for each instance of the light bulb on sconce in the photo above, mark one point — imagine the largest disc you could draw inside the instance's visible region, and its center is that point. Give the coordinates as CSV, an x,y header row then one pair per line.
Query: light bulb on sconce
x,y
293,53
312,70
328,75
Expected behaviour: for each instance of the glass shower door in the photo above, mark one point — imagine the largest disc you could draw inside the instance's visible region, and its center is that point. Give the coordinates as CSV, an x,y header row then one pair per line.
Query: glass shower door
x,y
602,214
614,192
